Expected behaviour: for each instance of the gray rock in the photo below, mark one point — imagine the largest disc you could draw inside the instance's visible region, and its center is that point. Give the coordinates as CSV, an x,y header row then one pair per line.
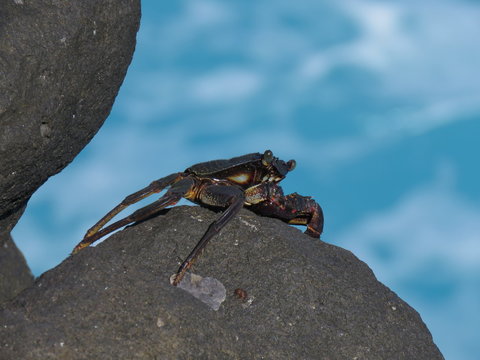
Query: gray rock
x,y
305,299
61,65
14,273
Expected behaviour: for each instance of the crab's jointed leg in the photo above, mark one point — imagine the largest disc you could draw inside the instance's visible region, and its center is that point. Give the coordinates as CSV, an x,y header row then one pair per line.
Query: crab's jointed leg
x,y
154,187
213,195
268,200
171,197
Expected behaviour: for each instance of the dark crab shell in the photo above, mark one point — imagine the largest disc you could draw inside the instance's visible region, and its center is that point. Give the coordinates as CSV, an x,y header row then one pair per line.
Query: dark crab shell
x,y
220,167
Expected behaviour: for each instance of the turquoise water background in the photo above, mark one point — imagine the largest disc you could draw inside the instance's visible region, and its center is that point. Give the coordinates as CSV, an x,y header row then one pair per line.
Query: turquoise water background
x,y
377,101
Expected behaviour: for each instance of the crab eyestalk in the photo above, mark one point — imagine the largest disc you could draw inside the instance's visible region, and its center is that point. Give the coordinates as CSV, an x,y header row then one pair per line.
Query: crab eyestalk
x,y
267,158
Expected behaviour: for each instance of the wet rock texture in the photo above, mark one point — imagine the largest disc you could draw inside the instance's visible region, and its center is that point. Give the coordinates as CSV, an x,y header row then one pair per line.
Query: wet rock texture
x,y
302,299
61,65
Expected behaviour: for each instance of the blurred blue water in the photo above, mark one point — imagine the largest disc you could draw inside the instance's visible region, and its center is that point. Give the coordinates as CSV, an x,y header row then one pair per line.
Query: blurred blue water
x,y
378,102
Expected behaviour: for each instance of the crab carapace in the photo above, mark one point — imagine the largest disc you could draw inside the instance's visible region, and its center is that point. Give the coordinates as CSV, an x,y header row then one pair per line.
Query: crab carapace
x,y
250,180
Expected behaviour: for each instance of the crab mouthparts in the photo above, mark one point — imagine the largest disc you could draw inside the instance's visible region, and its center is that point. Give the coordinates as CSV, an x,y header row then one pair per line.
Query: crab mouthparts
x,y
271,178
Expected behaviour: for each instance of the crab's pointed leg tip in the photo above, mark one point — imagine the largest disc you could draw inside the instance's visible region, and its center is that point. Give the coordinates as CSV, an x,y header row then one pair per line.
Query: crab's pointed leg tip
x,y
174,280
77,248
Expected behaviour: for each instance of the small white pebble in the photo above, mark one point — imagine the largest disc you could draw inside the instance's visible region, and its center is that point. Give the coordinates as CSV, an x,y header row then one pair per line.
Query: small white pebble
x,y
160,322
206,289
394,308
249,302
61,344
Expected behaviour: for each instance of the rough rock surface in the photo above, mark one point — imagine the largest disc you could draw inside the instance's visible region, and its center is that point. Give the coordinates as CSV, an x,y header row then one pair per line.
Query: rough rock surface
x,y
14,275
61,65
306,299
14,272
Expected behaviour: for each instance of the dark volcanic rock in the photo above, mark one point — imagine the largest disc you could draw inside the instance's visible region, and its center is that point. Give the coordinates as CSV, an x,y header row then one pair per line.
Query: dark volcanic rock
x,y
61,65
14,273
305,299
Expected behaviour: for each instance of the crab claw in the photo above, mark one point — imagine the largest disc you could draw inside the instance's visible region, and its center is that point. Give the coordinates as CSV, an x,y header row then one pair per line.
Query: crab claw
x,y
291,164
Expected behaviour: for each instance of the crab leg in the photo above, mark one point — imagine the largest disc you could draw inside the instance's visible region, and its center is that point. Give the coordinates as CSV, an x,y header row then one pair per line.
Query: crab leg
x,y
154,187
213,195
267,199
171,197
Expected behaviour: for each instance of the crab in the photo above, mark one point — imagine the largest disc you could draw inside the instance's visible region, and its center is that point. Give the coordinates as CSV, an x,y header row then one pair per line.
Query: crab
x,y
250,180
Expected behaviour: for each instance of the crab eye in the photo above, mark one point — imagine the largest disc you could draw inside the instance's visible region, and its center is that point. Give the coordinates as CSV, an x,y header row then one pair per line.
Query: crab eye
x,y
267,157
291,164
